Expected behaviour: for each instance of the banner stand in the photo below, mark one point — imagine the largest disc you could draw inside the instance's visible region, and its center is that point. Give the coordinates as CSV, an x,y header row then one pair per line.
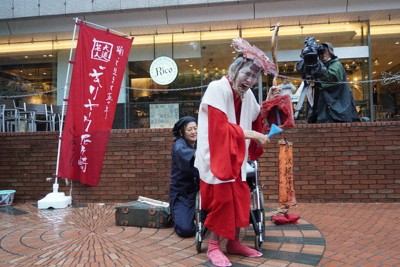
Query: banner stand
x,y
55,200
58,200
93,89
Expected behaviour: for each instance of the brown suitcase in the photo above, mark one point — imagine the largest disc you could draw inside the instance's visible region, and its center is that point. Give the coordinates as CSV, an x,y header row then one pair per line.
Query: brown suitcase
x,y
141,214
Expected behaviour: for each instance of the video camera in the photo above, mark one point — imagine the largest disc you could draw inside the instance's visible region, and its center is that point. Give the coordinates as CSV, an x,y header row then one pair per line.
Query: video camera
x,y
310,66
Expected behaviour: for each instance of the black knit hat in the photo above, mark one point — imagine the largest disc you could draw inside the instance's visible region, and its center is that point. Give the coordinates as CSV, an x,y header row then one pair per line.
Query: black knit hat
x,y
176,131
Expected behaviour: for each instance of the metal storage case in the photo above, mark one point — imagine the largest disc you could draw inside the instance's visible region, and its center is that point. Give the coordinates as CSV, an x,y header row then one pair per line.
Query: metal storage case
x,y
141,214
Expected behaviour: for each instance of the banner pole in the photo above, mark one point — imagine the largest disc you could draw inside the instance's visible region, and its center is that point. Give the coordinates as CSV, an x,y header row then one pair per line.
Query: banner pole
x,y
55,199
66,88
102,27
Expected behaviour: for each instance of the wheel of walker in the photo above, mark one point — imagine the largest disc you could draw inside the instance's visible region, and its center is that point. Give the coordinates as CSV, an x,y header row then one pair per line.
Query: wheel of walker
x,y
257,243
198,242
258,239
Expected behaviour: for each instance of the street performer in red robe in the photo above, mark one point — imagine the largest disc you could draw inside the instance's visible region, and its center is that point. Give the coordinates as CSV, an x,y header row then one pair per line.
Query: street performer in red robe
x,y
229,132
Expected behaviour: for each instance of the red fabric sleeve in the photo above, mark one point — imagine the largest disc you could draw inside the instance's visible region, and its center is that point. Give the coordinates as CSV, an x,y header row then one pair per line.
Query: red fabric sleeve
x,y
227,145
255,151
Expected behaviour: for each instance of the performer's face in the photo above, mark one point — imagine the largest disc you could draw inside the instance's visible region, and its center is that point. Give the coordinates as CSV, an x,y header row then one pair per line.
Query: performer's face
x,y
246,78
190,132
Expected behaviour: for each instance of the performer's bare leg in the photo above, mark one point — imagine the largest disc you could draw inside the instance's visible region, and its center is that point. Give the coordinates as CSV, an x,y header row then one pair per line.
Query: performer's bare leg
x,y
235,247
214,252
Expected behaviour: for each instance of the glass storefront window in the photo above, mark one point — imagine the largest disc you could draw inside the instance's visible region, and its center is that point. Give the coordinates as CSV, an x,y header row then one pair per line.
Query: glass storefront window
x,y
212,55
30,75
185,90
216,54
385,65
202,57
341,35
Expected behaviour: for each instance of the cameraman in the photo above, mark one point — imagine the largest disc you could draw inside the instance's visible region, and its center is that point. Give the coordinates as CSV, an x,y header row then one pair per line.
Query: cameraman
x,y
333,99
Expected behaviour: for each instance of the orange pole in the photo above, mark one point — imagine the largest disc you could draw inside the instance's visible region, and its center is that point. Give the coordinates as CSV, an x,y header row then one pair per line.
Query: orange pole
x,y
286,195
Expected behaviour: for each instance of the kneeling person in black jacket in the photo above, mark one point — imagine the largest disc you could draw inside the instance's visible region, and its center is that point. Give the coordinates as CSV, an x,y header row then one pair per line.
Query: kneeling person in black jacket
x,y
183,185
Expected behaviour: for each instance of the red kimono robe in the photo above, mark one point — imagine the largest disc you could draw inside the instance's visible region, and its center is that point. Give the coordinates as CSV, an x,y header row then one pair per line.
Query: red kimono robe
x,y
228,204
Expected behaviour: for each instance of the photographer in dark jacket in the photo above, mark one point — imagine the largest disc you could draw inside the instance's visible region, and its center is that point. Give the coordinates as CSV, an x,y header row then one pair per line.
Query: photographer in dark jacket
x,y
183,184
333,99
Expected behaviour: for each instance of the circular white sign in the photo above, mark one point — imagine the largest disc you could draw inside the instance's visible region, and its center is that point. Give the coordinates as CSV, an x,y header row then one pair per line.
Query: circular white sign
x,y
163,70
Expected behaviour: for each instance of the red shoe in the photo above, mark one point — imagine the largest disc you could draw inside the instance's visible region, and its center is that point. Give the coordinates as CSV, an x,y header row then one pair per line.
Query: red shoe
x,y
292,218
279,219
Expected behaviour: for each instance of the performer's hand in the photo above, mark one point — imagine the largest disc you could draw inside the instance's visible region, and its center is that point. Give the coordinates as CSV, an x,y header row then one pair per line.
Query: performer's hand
x,y
263,140
259,138
274,92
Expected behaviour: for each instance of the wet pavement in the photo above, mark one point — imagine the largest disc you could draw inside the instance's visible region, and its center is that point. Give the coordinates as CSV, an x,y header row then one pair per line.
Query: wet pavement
x,y
329,234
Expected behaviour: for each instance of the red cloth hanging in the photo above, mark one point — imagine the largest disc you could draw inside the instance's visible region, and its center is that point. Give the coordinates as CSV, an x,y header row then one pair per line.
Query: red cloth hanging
x,y
278,111
98,68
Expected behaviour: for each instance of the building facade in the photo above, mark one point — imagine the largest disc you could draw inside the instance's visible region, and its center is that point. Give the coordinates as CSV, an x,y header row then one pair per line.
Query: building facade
x,y
35,46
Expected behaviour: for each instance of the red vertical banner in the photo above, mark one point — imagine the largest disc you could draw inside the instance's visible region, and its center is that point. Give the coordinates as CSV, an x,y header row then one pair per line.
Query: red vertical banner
x,y
98,68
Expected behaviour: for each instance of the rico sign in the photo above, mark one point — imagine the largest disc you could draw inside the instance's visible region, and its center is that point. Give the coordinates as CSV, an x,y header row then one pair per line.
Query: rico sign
x,y
163,70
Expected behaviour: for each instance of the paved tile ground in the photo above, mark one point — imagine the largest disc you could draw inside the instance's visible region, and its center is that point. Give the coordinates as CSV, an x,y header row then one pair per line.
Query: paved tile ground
x,y
86,235
365,235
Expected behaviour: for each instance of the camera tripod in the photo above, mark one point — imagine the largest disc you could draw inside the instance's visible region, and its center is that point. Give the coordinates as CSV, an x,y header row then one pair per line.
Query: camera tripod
x,y
307,85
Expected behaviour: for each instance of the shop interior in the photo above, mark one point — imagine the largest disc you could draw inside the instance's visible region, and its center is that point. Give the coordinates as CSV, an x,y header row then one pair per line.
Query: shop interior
x,y
205,56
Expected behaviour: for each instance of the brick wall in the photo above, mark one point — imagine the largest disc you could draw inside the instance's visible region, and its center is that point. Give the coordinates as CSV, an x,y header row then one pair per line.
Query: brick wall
x,y
357,162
